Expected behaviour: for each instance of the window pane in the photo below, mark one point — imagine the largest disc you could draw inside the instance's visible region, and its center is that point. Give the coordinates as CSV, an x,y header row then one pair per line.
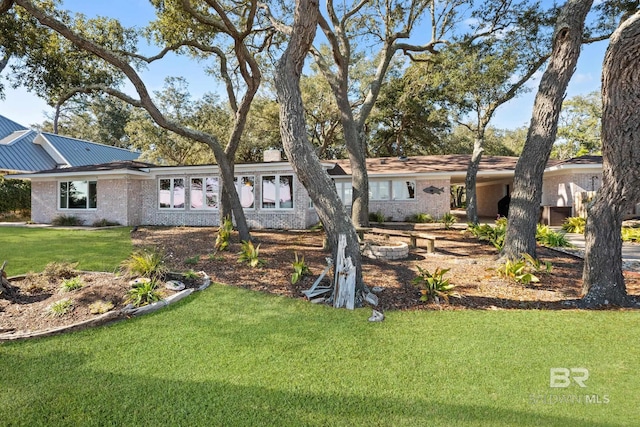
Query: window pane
x,y
164,195
93,195
245,191
212,192
286,192
384,190
196,193
78,193
64,199
268,192
404,190
347,194
178,193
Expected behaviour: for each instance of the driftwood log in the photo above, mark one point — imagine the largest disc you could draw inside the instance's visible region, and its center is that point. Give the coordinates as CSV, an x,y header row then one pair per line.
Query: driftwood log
x,y
6,290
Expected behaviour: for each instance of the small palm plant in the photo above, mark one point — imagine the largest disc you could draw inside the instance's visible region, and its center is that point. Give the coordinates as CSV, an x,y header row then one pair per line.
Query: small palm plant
x,y
224,235
250,254
574,224
300,269
433,286
143,293
448,220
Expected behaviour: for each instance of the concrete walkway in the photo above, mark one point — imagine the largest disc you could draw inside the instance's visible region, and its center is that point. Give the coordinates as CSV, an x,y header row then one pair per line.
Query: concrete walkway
x,y
630,251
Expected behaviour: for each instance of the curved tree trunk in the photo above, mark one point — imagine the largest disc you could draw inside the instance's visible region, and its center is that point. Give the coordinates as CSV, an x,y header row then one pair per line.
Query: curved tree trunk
x,y
524,209
299,150
602,275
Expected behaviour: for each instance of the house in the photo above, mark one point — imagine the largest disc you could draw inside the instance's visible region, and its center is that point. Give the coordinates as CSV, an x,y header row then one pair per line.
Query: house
x,y
135,193
23,150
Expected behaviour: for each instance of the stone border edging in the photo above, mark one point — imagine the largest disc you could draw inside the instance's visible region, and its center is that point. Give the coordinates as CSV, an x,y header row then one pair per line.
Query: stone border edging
x,y
108,316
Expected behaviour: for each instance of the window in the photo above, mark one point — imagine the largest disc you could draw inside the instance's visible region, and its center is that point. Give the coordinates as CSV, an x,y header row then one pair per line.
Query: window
x,y
78,195
277,192
245,189
404,190
171,194
204,193
379,190
344,192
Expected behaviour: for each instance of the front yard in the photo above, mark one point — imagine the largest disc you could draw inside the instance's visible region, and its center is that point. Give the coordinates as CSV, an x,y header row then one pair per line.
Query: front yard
x,y
233,356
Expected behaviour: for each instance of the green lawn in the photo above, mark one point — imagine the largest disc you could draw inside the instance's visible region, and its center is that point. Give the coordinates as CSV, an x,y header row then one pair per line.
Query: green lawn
x,y
227,356
30,249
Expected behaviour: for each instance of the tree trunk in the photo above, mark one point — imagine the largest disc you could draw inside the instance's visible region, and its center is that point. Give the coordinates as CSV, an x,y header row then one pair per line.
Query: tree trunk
x,y
299,150
526,198
470,181
359,182
602,275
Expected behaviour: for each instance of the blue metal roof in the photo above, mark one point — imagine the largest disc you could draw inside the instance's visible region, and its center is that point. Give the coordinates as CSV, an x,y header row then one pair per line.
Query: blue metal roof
x,y
81,153
7,127
20,152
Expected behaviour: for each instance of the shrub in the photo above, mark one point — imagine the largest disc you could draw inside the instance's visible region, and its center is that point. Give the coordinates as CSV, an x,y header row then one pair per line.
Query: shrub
x,y
300,269
72,284
224,235
250,254
574,224
105,223
521,271
147,262
376,216
60,308
630,234
493,234
448,220
100,307
15,196
60,270
66,221
434,286
420,218
143,293
547,237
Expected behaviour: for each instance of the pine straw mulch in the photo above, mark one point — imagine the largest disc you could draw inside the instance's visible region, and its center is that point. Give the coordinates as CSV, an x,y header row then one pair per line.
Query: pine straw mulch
x,y
472,269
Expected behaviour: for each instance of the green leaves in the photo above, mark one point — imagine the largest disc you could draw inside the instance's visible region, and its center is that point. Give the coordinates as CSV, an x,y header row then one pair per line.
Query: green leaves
x,y
433,286
300,269
521,271
250,254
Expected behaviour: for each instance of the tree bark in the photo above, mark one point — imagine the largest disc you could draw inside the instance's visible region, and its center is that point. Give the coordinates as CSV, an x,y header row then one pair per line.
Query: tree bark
x,y
524,209
299,150
602,275
471,178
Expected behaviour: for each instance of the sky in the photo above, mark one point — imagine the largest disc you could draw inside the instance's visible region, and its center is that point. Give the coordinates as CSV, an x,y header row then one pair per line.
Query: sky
x,y
27,109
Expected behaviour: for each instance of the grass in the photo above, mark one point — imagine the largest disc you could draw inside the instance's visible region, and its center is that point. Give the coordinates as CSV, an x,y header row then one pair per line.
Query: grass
x,y
30,249
227,356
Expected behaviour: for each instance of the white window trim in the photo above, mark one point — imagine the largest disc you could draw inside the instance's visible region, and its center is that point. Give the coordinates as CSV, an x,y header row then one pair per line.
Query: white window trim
x,y
277,195
60,208
171,192
204,192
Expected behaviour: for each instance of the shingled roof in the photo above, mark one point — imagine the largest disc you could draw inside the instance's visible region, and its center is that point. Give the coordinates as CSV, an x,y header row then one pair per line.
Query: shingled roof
x,y
427,164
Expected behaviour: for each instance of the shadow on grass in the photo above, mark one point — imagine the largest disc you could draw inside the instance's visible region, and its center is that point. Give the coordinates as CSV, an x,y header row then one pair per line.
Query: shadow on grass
x,y
93,397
